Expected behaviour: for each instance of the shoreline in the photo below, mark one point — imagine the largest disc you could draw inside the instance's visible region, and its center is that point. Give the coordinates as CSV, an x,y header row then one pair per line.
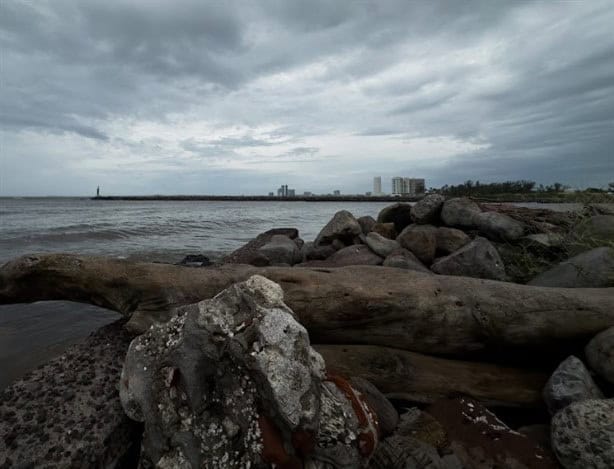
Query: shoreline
x,y
261,198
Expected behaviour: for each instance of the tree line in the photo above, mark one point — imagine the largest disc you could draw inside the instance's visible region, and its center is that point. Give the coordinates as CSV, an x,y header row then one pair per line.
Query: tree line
x,y
508,187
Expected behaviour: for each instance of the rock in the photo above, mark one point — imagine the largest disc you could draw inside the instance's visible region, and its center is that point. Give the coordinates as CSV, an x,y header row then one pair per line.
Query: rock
x,y
354,255
600,354
195,260
67,412
380,245
404,259
582,435
281,250
570,382
366,223
399,214
337,244
601,209
427,210
387,415
250,254
464,213
481,440
233,381
421,240
460,212
401,452
498,226
342,227
544,240
312,253
591,269
450,239
422,426
387,230
477,259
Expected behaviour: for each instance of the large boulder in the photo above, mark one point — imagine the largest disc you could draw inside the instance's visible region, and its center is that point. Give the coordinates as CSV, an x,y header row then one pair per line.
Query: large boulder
x,y
464,213
427,210
498,226
67,413
570,382
591,269
281,250
600,354
250,252
460,212
404,259
481,440
582,435
477,259
380,245
421,240
450,239
354,255
233,382
387,230
366,223
342,227
317,253
387,415
399,214
590,232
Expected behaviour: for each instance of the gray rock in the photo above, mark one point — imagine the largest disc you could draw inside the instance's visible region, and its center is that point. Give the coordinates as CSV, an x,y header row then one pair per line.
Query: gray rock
x,y
477,259
233,381
387,230
570,382
404,452
600,354
421,240
281,250
67,412
582,435
498,226
591,269
250,254
460,212
427,210
380,245
544,240
342,227
399,214
404,259
366,223
597,230
450,239
355,255
387,415
317,253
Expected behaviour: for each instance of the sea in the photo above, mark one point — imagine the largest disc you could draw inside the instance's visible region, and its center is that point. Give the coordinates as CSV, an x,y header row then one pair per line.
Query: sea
x,y
152,231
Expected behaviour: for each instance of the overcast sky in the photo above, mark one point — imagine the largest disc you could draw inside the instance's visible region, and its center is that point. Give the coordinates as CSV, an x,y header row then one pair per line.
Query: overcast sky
x,y
194,97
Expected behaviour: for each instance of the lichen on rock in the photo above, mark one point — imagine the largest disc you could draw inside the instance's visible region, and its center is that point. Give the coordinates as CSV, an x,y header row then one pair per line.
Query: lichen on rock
x,y
233,382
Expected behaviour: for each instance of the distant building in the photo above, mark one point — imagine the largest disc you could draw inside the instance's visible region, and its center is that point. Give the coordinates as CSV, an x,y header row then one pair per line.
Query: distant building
x,y
284,191
408,186
337,193
377,185
291,193
271,194
307,194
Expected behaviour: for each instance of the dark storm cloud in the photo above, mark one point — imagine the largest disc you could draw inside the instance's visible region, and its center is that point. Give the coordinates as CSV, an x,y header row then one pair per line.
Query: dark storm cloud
x,y
453,90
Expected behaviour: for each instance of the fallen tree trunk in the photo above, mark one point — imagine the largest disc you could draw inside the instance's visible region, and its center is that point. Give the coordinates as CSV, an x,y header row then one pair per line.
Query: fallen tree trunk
x,y
419,378
358,304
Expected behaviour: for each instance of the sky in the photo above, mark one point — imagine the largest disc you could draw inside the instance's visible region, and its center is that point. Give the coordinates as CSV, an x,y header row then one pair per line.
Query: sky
x,y
239,97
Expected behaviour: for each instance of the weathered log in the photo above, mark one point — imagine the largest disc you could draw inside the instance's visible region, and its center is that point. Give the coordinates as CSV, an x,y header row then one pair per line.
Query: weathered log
x,y
357,304
419,378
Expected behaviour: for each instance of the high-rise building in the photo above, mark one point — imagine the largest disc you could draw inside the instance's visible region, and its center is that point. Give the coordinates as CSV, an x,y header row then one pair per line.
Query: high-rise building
x,y
377,185
408,186
398,186
337,192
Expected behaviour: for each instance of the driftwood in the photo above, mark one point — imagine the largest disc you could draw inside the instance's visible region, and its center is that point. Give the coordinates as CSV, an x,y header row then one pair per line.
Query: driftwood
x,y
358,304
419,378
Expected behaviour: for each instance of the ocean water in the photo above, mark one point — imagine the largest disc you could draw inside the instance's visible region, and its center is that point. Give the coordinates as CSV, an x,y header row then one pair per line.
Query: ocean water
x,y
163,231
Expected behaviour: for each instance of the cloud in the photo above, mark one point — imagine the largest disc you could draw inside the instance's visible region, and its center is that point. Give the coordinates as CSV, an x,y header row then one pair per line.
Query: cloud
x,y
320,95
